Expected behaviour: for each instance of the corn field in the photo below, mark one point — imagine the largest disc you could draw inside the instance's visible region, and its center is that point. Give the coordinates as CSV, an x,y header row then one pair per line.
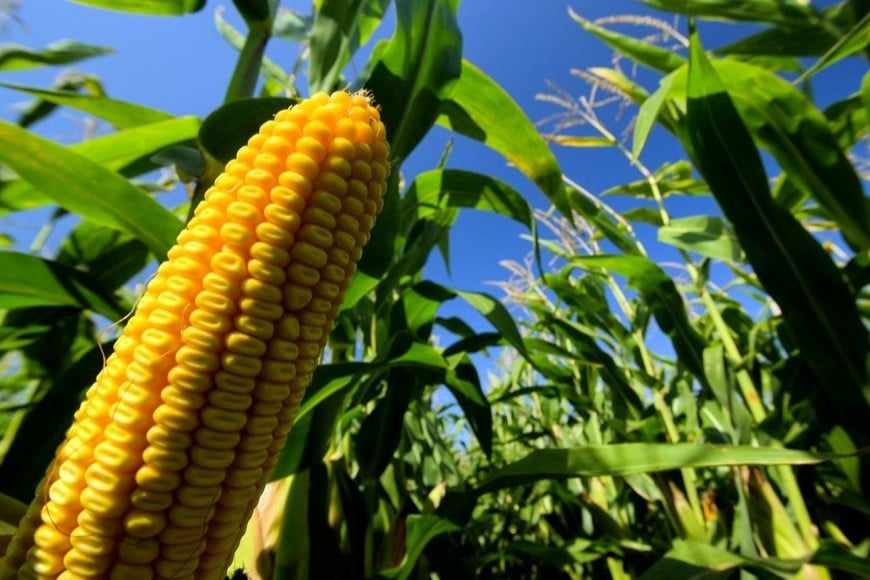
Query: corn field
x,y
236,362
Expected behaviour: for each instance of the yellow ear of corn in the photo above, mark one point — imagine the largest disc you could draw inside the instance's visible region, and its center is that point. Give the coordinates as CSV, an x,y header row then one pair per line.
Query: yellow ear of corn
x,y
176,439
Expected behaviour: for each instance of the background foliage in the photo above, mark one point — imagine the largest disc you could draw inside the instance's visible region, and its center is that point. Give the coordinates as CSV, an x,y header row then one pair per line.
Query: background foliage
x,y
645,417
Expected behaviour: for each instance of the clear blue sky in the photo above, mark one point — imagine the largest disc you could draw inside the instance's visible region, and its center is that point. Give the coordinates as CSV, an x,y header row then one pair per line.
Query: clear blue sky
x,y
182,65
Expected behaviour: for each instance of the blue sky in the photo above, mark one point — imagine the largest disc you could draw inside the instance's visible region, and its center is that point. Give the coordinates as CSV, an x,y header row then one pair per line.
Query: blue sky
x,y
182,65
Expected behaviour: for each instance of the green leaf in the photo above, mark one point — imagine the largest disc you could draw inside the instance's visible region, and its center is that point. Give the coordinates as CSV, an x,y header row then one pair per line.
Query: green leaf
x,y
381,430
703,234
14,57
649,215
655,57
670,179
439,188
792,12
416,69
622,459
111,257
340,28
800,139
230,126
156,7
120,114
480,109
497,315
815,302
31,281
660,294
421,529
696,559
87,188
649,112
115,151
463,383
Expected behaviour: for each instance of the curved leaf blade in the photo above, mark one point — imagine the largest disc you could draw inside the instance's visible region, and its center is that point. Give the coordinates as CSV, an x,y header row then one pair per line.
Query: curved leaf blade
x,y
457,188
114,151
416,69
153,7
340,28
87,188
120,114
816,303
14,57
480,109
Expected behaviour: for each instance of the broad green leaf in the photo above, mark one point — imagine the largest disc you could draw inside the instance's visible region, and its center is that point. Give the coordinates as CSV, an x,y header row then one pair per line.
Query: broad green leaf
x,y
380,432
457,188
660,294
116,151
421,529
800,139
479,108
230,126
655,57
798,136
157,7
416,69
87,188
14,57
497,315
702,234
31,281
792,12
809,289
622,459
120,114
340,28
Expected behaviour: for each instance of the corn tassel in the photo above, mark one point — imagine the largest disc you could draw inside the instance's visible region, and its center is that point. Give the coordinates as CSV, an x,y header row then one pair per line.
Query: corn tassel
x,y
179,434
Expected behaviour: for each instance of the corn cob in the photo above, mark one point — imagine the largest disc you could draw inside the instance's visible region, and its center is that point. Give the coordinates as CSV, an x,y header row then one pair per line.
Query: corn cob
x,y
177,437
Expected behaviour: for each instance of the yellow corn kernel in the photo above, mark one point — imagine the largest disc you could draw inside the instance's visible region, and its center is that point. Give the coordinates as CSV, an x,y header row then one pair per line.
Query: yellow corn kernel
x,y
178,435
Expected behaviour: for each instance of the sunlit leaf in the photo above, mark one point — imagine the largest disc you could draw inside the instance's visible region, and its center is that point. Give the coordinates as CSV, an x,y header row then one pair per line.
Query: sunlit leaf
x,y
14,57
706,235
479,108
157,7
87,188
115,151
816,304
120,114
340,28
